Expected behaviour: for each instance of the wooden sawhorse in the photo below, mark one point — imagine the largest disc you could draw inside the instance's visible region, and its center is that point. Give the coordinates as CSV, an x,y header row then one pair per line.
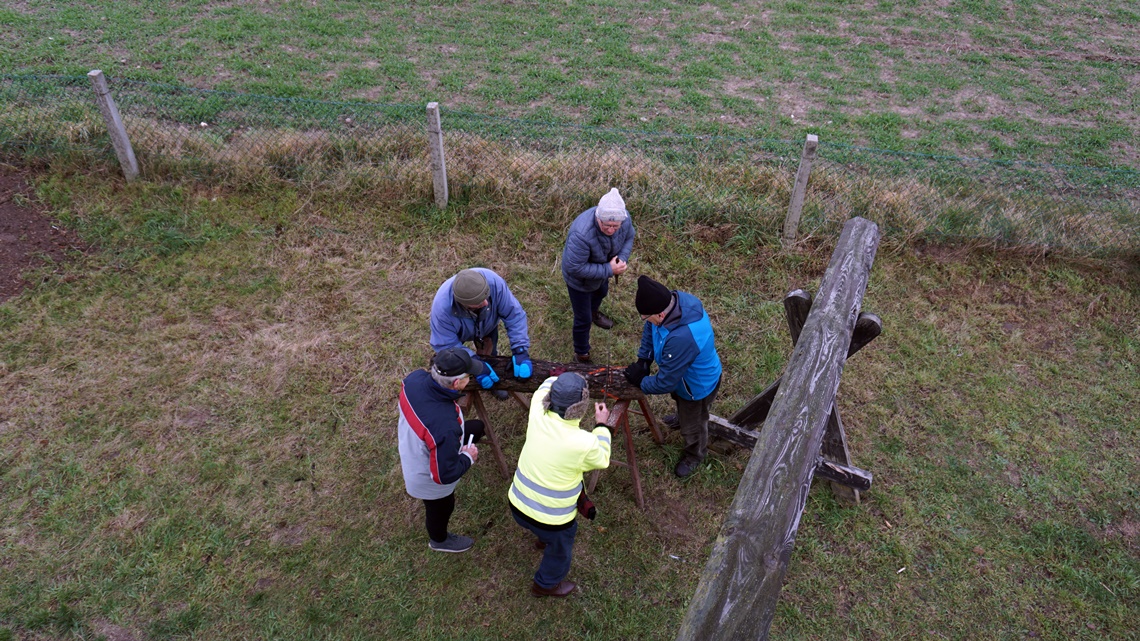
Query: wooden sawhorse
x,y
619,419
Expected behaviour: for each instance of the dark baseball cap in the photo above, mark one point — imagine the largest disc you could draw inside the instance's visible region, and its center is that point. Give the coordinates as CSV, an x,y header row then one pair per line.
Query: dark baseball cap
x,y
455,361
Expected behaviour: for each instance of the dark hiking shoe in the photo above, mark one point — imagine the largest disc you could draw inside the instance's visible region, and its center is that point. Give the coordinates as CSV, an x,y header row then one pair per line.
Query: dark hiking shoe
x,y
562,589
686,467
603,321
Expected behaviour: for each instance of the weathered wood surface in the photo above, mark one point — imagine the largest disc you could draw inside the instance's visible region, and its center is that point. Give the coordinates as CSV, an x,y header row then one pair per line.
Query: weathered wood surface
x,y
845,475
740,585
604,381
867,327
726,430
833,471
119,139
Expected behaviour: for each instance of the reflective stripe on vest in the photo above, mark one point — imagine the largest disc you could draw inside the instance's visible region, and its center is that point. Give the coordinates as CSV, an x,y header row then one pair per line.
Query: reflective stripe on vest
x,y
539,507
545,491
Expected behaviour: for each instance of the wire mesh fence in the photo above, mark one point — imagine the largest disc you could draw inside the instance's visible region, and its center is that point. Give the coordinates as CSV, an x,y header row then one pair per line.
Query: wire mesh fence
x,y
237,139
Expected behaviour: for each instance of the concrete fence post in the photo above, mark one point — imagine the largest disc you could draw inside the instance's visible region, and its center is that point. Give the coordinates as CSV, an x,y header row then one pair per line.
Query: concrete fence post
x,y
438,166
792,222
115,126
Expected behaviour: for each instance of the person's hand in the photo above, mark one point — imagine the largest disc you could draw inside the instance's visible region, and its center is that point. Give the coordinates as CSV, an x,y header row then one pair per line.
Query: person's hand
x,y
637,371
488,377
470,450
601,412
522,365
618,266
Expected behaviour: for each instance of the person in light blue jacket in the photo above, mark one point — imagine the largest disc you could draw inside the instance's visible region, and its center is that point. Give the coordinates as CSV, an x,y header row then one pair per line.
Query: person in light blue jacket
x,y
597,247
467,308
678,335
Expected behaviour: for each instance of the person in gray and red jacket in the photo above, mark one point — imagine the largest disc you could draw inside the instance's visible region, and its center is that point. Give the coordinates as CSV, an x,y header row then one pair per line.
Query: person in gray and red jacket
x,y
436,444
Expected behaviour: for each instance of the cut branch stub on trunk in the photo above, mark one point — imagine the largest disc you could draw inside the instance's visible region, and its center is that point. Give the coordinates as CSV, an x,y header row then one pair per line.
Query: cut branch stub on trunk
x,y
605,382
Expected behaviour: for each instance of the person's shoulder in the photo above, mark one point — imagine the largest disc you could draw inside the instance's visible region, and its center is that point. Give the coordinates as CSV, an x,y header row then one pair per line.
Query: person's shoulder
x,y
493,277
581,223
689,303
416,376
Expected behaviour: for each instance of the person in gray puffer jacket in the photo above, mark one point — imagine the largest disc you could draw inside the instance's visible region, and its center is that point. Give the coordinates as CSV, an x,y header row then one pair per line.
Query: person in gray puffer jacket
x,y
597,247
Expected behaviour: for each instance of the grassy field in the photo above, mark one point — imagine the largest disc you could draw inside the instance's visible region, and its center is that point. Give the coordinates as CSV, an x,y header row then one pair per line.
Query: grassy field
x,y
197,419
197,434
1048,81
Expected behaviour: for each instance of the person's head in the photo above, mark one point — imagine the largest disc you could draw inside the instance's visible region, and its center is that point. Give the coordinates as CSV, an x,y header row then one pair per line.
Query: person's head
x,y
470,289
653,300
451,367
610,212
569,396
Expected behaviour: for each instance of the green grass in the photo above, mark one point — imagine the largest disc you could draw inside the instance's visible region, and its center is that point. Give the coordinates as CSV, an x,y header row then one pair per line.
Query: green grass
x,y
197,433
1047,82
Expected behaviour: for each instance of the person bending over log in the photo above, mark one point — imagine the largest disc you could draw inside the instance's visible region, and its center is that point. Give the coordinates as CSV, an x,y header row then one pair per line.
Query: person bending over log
x,y
468,307
678,336
547,492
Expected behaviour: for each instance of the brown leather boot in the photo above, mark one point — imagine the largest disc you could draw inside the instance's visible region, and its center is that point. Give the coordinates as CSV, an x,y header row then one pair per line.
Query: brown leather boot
x,y
560,590
603,321
583,358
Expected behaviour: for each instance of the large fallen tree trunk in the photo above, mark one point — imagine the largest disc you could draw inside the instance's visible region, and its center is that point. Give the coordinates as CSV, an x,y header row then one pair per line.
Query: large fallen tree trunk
x,y
740,585
604,381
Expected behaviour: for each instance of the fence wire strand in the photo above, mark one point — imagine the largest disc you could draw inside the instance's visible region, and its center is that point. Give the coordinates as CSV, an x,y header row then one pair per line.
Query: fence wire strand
x,y
238,138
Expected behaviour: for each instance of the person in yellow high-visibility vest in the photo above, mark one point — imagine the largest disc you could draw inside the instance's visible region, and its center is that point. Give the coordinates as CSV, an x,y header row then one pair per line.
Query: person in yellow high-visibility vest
x,y
548,482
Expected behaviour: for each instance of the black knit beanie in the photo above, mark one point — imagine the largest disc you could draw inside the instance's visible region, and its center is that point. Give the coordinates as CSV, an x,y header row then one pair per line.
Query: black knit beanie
x,y
652,297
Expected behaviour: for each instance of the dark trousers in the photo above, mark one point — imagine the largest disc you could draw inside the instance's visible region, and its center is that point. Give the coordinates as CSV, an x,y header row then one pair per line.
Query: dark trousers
x,y
693,417
555,564
584,305
437,512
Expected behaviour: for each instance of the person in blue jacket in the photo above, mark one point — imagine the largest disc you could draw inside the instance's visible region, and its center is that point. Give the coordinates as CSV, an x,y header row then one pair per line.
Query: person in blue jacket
x,y
597,247
678,336
437,446
467,308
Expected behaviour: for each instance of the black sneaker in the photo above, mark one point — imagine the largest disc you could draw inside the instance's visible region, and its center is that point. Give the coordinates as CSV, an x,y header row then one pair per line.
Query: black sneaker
x,y
500,394
453,544
672,422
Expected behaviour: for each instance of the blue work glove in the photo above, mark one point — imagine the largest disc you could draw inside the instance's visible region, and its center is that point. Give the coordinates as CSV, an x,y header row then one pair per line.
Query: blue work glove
x,y
488,377
523,367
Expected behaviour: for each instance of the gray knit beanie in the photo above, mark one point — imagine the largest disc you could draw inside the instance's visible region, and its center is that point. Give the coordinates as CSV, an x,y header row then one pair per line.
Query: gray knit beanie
x,y
470,288
568,396
611,208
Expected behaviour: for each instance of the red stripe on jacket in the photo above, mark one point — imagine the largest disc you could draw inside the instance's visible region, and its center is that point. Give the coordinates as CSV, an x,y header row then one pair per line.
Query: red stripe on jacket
x,y
422,432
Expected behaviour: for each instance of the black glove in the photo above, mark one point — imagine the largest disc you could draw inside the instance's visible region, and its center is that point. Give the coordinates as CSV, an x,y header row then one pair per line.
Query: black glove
x,y
586,506
637,371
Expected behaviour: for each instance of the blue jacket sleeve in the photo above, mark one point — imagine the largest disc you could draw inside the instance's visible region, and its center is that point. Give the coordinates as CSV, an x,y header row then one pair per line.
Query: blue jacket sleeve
x,y
576,259
508,308
678,353
443,334
444,326
646,349
452,464
627,246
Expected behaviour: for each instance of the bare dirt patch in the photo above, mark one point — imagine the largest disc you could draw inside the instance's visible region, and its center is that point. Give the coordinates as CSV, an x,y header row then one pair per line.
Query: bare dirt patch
x,y
29,238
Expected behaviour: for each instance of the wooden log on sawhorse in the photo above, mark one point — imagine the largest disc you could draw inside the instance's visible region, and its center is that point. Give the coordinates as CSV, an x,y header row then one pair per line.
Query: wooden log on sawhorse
x,y
797,305
740,585
619,422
